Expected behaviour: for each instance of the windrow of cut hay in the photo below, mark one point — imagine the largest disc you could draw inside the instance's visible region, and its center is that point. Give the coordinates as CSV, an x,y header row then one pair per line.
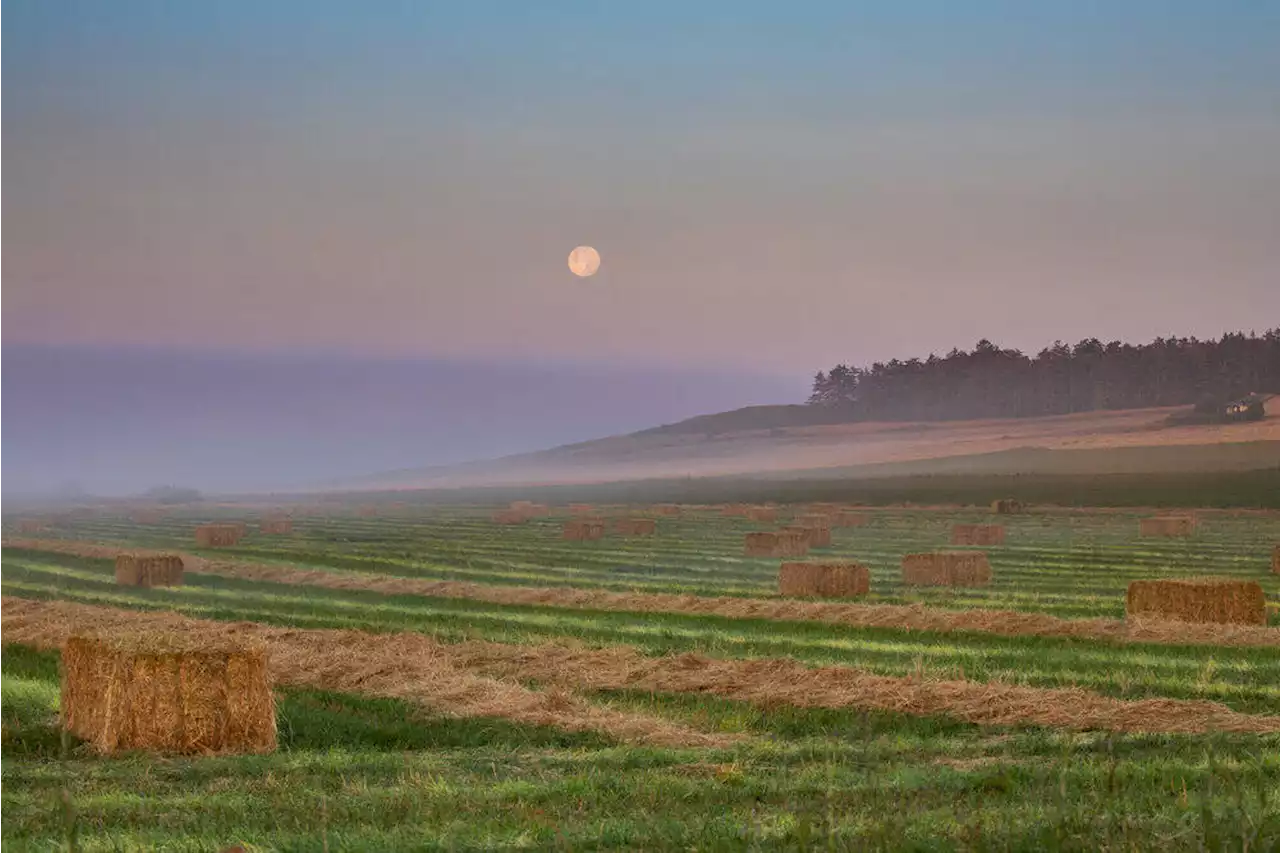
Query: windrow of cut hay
x,y
771,683
1006,506
770,544
1218,600
946,568
635,526
1167,525
826,580
815,537
219,535
412,667
977,534
275,525
463,679
892,616
581,529
167,691
137,568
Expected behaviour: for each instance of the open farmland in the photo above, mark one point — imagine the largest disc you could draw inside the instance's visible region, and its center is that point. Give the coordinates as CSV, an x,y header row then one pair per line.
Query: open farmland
x,y
521,689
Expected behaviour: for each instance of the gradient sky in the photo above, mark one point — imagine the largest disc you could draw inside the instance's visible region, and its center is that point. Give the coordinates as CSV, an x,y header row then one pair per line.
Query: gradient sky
x,y
773,187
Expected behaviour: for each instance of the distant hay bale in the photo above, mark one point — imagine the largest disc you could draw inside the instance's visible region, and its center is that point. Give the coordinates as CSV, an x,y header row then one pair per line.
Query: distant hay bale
x,y
1167,525
635,526
510,516
670,510
1221,600
766,514
148,569
780,544
814,519
828,580
946,568
580,529
219,535
147,516
816,536
1006,506
276,525
367,511
846,518
732,510
168,693
977,534
529,509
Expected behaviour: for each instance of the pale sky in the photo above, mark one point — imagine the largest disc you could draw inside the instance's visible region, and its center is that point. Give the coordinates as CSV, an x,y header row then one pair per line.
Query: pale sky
x,y
772,187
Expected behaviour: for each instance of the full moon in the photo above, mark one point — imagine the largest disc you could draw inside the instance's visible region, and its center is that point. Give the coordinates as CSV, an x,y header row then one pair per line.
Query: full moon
x,y
584,261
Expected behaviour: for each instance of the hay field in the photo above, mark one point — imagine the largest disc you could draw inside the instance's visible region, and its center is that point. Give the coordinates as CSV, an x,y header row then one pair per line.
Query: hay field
x,y
423,705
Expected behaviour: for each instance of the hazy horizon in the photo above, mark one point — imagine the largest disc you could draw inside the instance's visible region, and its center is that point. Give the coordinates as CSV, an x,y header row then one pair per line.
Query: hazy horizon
x,y
121,420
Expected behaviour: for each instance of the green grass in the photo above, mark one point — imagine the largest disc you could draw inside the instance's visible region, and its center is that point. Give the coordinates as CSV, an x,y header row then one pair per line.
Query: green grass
x,y
379,774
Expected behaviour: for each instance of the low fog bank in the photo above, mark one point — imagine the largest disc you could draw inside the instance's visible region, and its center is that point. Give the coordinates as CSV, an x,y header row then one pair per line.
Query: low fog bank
x,y
118,421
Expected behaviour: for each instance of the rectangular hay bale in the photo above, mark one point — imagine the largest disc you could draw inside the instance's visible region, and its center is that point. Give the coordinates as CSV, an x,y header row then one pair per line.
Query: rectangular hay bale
x,y
1167,525
581,529
510,516
1217,600
946,568
635,526
780,544
765,514
977,534
168,693
670,510
847,518
276,525
1006,506
828,580
218,535
817,537
148,569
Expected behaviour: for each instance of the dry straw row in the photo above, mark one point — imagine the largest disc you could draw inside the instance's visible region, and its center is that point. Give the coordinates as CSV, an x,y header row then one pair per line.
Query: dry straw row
x,y
464,679
412,667
897,616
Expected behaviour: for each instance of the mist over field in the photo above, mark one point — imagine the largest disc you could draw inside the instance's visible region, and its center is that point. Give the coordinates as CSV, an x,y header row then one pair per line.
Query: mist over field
x,y
121,420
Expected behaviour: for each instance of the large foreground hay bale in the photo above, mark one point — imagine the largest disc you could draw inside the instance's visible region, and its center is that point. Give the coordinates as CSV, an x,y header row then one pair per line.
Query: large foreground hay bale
x,y
1006,506
946,568
816,536
218,535
580,529
977,534
148,569
276,525
1220,600
829,580
1167,525
766,514
782,544
635,526
168,693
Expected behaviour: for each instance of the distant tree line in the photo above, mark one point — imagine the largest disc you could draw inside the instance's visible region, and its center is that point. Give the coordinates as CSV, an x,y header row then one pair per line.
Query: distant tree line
x,y
991,382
